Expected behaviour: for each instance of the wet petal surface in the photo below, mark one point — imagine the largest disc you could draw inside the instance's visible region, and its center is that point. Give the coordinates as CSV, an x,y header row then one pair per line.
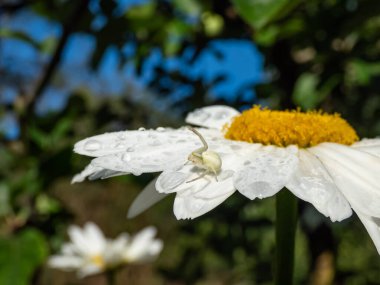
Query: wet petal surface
x,y
312,183
268,171
213,117
355,173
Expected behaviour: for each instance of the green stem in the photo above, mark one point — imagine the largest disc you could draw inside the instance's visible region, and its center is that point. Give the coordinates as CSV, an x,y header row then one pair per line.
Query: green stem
x,y
286,224
111,277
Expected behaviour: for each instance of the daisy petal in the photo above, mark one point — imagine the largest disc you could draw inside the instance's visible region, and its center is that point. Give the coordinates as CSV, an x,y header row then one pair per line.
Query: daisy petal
x,y
268,172
214,117
169,180
367,142
131,141
79,239
95,172
186,178
355,173
140,245
190,207
89,269
95,237
169,151
373,228
146,199
65,262
69,249
371,146
312,183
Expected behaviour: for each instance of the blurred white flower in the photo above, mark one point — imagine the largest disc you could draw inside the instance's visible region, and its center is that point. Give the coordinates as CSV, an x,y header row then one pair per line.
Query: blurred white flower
x,y
89,252
315,155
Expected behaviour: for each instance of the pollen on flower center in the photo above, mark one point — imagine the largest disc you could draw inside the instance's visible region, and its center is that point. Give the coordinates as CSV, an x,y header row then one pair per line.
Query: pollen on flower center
x,y
283,128
97,260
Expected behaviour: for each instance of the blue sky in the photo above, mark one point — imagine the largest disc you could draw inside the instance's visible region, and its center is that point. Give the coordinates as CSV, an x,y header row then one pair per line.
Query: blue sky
x,y
242,65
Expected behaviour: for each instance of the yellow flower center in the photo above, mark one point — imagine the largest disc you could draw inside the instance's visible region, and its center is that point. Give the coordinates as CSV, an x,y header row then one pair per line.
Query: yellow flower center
x,y
98,260
283,128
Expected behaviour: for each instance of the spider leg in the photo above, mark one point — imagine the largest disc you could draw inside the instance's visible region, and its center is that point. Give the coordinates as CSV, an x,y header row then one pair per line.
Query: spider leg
x,y
199,177
216,176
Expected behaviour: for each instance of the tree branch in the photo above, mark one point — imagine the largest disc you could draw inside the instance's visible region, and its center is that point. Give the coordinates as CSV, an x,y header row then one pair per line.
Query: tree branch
x,y
68,28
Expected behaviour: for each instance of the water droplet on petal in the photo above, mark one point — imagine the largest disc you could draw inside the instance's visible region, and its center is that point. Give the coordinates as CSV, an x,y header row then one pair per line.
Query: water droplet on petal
x,y
160,129
92,145
141,129
235,147
126,157
130,149
220,115
201,115
154,143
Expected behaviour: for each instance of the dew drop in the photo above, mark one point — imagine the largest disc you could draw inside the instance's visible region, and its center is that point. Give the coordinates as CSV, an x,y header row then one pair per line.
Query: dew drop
x,y
126,157
154,143
130,149
235,147
220,115
121,136
92,145
201,115
141,129
160,129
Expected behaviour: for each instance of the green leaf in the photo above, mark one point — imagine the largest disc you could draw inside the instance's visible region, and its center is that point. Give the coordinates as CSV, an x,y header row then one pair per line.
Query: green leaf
x,y
361,72
305,94
189,7
145,11
20,256
5,206
259,13
46,205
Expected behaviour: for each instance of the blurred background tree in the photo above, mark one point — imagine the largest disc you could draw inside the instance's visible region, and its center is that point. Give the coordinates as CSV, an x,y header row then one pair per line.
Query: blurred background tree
x,y
71,69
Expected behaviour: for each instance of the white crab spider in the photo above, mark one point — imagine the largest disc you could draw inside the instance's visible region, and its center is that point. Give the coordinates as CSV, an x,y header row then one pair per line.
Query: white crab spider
x,y
205,159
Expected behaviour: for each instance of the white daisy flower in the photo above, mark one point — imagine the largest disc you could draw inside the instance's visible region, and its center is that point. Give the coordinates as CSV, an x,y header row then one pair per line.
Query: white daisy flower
x,y
89,252
316,156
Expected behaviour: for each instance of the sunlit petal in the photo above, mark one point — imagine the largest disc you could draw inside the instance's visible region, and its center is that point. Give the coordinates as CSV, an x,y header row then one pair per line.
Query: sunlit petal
x,y
190,207
214,117
371,146
355,173
267,173
312,183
